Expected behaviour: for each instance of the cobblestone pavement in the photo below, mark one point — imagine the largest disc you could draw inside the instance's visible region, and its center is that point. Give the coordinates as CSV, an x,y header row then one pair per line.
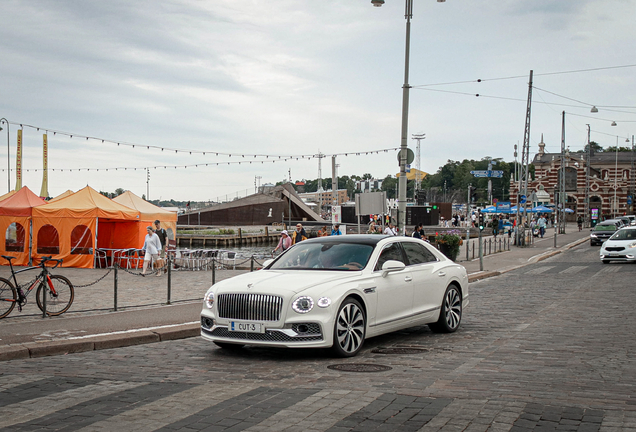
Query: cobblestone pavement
x,y
546,347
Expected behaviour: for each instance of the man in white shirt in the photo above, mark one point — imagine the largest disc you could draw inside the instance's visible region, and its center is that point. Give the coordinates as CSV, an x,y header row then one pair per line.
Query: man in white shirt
x,y
390,230
152,246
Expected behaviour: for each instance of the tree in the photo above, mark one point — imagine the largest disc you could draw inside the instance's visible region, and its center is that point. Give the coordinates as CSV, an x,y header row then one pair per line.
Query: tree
x,y
596,148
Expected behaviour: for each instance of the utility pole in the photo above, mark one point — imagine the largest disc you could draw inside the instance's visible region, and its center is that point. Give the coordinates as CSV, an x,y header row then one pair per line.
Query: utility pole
x,y
588,158
147,184
524,174
334,183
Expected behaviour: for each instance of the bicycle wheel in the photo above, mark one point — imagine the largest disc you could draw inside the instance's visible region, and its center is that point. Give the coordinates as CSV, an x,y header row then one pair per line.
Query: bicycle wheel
x,y
58,303
8,297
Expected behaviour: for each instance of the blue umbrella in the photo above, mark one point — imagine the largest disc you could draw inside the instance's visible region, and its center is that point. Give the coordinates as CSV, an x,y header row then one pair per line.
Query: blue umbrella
x,y
568,210
489,209
541,209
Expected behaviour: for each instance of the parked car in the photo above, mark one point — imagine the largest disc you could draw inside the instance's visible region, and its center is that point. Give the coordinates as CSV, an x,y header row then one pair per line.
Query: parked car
x,y
602,232
632,219
621,246
336,292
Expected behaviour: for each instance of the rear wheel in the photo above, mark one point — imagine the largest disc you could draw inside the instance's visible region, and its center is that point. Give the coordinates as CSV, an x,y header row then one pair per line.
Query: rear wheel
x,y
349,329
59,302
451,311
8,297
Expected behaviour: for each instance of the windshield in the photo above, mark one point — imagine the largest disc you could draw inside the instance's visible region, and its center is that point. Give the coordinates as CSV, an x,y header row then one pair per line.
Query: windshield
x,y
325,256
624,234
605,228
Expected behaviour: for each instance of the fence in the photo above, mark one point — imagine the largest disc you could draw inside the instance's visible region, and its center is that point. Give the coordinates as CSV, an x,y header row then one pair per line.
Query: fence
x,y
489,246
116,288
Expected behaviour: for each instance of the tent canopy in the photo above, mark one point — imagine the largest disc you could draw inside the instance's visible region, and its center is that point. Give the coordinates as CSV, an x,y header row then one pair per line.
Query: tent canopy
x,y
20,203
147,211
85,203
62,195
7,195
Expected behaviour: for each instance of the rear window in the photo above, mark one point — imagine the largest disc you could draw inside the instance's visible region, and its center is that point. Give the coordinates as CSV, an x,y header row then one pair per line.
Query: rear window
x,y
605,228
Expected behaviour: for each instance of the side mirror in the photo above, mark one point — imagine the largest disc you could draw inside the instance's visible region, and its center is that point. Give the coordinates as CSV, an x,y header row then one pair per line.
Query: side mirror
x,y
392,266
267,263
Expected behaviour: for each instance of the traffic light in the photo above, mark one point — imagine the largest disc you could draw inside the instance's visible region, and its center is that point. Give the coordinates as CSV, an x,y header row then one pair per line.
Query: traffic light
x,y
482,225
472,190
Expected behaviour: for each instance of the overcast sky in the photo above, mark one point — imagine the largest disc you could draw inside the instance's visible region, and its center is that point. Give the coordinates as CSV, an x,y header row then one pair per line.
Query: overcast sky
x,y
285,78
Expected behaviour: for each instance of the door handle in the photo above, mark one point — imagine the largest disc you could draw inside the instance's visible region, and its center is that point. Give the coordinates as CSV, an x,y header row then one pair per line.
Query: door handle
x,y
441,274
408,278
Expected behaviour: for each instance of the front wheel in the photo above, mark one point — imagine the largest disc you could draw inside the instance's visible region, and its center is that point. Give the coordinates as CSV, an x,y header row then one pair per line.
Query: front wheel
x,y
349,329
450,314
59,302
8,297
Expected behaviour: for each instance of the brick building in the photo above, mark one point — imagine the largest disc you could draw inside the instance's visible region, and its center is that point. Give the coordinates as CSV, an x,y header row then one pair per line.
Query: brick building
x,y
611,182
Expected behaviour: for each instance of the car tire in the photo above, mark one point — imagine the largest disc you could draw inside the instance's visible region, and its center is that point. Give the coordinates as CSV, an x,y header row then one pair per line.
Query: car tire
x,y
229,346
349,329
450,314
606,261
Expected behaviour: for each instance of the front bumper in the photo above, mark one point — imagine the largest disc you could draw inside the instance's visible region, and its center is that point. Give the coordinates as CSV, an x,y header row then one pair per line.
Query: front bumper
x,y
295,335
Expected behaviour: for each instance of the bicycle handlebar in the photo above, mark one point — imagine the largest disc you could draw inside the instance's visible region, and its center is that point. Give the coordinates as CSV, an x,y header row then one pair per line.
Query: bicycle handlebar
x,y
50,258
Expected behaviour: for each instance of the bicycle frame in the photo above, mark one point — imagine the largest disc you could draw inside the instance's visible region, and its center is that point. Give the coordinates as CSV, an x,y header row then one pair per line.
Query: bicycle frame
x,y
44,275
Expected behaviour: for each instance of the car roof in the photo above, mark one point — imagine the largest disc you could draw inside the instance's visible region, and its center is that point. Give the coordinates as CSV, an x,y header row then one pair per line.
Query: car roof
x,y
611,222
368,239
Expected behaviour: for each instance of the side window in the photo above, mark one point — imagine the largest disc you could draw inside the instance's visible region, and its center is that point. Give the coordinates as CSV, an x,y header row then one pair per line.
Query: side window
x,y
14,238
417,253
390,252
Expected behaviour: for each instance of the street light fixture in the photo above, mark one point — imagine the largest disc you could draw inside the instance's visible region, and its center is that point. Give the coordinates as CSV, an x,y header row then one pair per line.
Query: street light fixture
x,y
405,115
8,154
594,109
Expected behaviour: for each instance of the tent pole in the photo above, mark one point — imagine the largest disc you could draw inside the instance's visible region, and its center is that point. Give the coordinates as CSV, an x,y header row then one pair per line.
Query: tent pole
x,y
30,242
95,247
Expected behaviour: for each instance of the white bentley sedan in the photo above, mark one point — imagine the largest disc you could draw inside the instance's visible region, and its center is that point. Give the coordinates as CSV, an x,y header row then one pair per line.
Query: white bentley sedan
x,y
336,292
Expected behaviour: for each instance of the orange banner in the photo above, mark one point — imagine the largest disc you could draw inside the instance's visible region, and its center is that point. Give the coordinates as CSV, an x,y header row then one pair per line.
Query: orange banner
x,y
18,163
44,192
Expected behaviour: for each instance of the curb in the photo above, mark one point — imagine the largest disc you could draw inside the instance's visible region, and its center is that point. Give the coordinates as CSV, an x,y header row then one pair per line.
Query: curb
x,y
69,346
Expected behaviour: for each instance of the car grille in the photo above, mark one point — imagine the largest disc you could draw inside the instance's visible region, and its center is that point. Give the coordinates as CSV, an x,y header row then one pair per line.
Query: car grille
x,y
614,249
250,307
268,336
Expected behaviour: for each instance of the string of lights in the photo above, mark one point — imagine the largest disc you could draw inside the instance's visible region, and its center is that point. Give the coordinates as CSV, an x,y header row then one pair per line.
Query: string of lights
x,y
209,164
200,152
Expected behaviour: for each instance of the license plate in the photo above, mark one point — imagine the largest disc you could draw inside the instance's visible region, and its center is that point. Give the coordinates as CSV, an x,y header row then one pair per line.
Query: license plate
x,y
613,254
246,327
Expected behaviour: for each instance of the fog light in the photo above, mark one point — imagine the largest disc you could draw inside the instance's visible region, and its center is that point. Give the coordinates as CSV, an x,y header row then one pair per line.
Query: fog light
x,y
302,328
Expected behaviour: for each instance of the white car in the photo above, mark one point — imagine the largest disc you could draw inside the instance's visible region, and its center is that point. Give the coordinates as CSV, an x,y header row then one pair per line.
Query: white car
x,y
335,292
621,246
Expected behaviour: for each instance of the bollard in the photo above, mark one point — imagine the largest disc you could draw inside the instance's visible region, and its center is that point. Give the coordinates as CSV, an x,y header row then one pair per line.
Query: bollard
x,y
115,288
467,240
213,271
252,263
481,255
169,264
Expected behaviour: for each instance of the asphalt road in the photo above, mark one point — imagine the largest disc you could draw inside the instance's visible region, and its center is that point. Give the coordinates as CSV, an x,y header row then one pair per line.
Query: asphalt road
x,y
548,346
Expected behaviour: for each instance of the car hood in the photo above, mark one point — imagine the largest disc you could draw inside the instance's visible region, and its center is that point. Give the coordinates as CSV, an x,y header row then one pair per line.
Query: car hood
x,y
281,282
618,243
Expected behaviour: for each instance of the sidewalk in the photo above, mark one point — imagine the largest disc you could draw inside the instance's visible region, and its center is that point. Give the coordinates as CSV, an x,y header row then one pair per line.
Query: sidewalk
x,y
155,321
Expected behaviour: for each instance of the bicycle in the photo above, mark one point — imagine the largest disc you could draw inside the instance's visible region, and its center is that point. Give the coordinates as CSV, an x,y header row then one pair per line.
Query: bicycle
x,y
58,290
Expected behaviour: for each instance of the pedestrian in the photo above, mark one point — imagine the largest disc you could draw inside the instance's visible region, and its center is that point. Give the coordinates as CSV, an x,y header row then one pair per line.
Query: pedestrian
x,y
336,230
494,223
541,223
473,218
579,222
152,246
500,225
371,229
298,235
416,232
163,238
284,243
390,230
322,232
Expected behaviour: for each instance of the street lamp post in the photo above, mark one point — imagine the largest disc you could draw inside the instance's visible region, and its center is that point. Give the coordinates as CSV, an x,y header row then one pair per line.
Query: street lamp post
x,y
8,153
408,14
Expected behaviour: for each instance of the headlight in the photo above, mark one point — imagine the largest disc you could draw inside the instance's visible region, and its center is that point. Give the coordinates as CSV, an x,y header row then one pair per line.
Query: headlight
x,y
632,245
593,235
303,304
324,302
208,300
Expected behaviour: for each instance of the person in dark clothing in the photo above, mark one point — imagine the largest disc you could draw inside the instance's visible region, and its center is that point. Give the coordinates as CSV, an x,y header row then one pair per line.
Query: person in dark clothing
x,y
163,238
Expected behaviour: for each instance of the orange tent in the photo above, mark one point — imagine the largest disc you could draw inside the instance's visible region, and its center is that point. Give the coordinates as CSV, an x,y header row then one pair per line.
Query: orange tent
x,y
62,195
148,214
7,195
72,228
15,222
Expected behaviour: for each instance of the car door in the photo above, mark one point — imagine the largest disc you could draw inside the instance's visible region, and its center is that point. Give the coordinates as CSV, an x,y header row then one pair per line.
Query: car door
x,y
429,280
395,289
